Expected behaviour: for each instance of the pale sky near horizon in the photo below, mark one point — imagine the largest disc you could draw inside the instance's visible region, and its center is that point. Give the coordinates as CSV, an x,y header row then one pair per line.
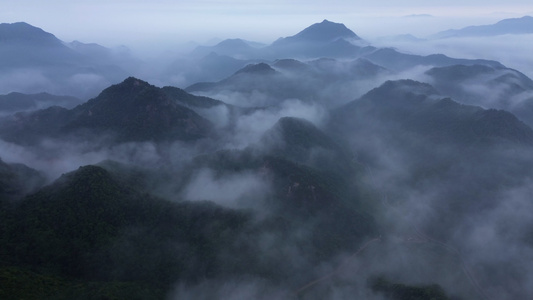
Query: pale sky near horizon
x,y
138,23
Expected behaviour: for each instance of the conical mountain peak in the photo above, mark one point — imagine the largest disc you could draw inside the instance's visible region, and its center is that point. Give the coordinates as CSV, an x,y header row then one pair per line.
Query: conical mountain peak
x,y
22,32
326,31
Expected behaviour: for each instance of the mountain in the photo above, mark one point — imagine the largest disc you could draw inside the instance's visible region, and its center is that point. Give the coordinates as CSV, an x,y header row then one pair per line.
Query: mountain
x,y
417,107
212,67
324,32
394,60
301,196
14,102
325,81
49,65
436,158
236,48
136,110
503,88
325,39
25,34
78,229
523,25
18,180
300,141
24,45
301,172
130,111
251,79
90,49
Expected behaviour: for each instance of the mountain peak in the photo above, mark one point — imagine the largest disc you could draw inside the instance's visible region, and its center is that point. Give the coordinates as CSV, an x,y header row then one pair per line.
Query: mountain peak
x,y
326,31
323,32
24,32
132,81
260,68
139,111
232,43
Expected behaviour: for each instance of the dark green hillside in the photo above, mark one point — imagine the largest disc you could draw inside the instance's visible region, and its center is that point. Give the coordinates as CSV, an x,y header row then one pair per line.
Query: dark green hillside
x,y
333,207
466,151
130,111
17,180
400,108
91,228
300,141
30,128
138,111
497,88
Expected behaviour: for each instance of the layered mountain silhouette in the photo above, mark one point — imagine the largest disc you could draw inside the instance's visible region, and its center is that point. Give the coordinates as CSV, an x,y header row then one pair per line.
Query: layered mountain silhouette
x,y
230,47
395,60
303,169
523,25
48,64
323,32
17,180
300,141
85,216
211,67
325,39
499,88
320,80
410,106
15,102
131,111
24,45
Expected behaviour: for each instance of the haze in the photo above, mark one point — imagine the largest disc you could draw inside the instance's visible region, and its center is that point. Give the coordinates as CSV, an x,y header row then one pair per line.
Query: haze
x,y
140,24
345,160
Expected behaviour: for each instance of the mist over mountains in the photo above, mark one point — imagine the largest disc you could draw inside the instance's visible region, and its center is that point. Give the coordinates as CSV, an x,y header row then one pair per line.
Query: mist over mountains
x,y
316,167
522,25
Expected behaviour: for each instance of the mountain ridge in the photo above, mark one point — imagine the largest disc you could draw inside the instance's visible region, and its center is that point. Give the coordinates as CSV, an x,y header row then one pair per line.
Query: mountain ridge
x,y
523,25
323,32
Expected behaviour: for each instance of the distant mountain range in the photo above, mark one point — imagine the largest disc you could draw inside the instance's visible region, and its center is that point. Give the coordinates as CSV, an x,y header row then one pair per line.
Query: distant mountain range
x,y
130,111
50,65
16,102
522,25
325,39
317,167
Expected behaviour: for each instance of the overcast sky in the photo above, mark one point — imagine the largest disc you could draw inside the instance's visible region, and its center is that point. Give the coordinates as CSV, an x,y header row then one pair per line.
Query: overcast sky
x,y
137,22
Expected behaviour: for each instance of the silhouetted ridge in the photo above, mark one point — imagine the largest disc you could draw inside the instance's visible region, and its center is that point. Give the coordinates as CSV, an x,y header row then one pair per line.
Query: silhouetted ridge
x,y
233,44
523,25
392,91
16,180
130,111
15,101
410,106
300,132
260,68
392,59
136,110
290,65
459,72
325,31
190,100
25,33
301,141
